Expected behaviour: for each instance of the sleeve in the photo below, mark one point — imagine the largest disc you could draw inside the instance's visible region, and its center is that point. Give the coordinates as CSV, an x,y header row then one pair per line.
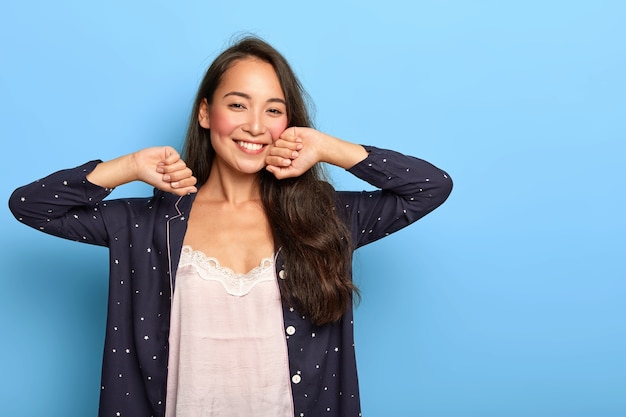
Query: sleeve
x,y
409,189
63,204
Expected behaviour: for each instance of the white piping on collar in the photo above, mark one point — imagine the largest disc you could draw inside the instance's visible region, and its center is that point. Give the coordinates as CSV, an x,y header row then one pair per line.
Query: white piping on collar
x,y
169,247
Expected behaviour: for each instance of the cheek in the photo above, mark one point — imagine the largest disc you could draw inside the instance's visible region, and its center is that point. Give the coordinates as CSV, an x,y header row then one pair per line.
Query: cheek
x,y
222,122
277,128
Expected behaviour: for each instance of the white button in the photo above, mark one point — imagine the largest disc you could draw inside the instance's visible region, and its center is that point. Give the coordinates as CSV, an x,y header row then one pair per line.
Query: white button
x,y
296,379
281,274
291,330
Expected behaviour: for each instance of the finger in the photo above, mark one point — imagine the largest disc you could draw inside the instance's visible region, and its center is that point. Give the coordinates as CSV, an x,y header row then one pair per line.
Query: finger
x,y
178,165
276,171
290,135
184,191
178,174
283,152
184,183
281,172
170,155
184,186
283,143
277,161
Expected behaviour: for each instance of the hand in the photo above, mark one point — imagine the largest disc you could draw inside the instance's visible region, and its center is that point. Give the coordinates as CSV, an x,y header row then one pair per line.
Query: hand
x,y
294,152
163,168
299,148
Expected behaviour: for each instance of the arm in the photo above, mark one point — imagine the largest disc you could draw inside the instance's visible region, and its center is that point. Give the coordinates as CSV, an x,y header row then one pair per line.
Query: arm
x,y
160,167
63,204
67,203
298,149
409,188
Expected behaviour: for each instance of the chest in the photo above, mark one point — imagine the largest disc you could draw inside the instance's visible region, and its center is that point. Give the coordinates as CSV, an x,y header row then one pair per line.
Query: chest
x,y
238,236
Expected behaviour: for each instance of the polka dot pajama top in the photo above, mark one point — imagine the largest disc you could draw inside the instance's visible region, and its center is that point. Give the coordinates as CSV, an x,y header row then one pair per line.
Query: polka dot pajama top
x,y
145,240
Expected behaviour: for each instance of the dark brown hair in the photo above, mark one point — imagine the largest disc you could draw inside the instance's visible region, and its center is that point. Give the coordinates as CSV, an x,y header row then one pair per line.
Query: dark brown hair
x,y
314,241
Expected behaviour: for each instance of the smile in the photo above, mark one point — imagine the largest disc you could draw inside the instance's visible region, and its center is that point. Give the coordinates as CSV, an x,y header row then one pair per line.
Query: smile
x,y
250,146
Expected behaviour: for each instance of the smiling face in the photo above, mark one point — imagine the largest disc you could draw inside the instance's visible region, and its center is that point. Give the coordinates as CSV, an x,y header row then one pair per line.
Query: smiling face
x,y
247,113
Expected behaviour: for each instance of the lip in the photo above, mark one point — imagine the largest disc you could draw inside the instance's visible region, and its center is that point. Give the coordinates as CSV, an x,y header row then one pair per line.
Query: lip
x,y
249,147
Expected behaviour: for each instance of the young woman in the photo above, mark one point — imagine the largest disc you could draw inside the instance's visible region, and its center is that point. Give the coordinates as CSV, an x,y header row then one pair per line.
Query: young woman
x,y
230,288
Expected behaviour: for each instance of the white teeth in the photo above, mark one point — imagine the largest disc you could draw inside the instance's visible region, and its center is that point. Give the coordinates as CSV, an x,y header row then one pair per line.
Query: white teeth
x,y
250,146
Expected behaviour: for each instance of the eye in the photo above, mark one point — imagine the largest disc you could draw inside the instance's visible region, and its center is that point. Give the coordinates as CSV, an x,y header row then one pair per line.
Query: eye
x,y
237,106
275,112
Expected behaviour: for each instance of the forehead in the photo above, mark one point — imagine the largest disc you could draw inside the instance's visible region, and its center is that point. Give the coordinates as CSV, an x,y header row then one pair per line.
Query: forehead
x,y
251,76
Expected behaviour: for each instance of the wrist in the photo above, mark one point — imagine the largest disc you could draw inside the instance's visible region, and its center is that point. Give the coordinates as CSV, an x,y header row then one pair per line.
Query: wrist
x,y
115,172
341,153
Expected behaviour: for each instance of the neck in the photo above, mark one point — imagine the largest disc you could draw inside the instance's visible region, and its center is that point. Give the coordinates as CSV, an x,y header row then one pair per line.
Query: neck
x,y
231,187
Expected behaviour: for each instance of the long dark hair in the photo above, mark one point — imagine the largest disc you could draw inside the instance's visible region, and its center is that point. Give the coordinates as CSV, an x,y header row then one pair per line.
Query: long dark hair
x,y
315,242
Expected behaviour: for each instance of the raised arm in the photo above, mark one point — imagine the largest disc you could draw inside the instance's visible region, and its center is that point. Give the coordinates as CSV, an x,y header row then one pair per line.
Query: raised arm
x,y
408,187
160,167
67,203
299,148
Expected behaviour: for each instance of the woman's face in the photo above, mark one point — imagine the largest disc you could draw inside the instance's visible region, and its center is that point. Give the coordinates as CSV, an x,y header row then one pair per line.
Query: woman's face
x,y
247,114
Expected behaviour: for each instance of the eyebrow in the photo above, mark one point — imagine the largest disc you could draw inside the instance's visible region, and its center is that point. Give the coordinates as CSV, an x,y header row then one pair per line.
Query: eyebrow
x,y
247,96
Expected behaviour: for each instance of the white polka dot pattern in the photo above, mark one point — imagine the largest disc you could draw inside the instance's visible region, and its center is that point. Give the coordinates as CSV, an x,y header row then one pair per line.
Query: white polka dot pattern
x,y
145,238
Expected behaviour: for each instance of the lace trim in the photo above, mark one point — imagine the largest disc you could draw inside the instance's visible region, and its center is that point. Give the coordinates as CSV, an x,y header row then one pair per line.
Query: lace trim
x,y
209,268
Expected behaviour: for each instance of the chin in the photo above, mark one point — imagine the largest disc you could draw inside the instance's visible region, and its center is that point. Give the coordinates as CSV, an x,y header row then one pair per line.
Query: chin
x,y
251,170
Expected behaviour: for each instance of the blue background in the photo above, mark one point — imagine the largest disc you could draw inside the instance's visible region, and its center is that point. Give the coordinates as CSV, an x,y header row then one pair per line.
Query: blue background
x,y
507,301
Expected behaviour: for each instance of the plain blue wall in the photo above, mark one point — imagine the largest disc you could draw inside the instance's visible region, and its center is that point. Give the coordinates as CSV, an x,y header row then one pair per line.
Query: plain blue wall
x,y
507,301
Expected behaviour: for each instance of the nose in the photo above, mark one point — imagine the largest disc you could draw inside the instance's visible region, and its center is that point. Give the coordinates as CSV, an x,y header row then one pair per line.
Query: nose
x,y
254,125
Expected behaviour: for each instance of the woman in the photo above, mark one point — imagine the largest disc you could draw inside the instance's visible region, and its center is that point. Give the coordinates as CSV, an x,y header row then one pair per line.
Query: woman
x,y
230,289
